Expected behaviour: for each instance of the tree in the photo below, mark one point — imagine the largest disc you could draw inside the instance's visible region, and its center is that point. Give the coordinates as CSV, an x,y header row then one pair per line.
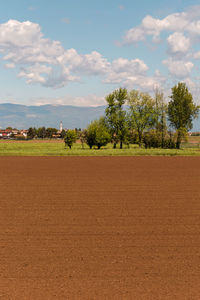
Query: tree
x,y
32,132
181,111
41,132
70,138
90,136
50,132
116,116
63,133
83,137
161,119
97,134
142,112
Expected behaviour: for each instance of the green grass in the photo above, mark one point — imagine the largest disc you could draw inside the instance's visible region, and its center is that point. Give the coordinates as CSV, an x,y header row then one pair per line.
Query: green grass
x,y
31,148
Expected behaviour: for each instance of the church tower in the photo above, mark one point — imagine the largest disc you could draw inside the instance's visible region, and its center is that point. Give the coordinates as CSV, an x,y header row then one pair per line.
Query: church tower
x,y
61,126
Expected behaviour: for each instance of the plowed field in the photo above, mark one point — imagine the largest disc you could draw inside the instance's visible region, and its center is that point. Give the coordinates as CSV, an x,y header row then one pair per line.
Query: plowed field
x,y
92,228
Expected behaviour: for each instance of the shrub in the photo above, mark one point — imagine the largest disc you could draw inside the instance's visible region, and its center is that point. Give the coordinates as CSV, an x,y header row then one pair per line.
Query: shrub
x,y
70,138
153,139
97,134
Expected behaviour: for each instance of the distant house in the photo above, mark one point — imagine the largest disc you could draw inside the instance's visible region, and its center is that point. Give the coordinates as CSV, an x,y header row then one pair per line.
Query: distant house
x,y
15,131
8,133
24,132
57,135
5,133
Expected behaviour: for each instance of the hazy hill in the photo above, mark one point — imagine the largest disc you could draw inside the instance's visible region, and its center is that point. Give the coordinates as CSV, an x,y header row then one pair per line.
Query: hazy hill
x,y
22,116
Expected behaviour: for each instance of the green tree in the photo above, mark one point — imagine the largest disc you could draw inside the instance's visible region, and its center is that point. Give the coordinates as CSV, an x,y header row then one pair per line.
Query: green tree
x,y
142,112
70,138
50,132
63,133
32,132
41,132
83,137
116,116
97,134
161,116
90,136
181,111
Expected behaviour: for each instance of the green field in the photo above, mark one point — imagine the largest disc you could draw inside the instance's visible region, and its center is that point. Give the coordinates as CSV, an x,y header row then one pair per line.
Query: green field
x,y
53,148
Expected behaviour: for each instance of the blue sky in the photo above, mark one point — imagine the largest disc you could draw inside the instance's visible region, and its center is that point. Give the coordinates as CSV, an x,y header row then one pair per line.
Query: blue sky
x,y
76,52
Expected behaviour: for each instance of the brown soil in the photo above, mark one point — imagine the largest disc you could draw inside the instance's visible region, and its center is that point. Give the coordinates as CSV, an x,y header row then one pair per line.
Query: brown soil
x,y
93,228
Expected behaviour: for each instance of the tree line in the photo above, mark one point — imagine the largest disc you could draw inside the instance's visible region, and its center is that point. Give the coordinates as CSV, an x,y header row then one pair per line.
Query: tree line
x,y
46,133
137,118
42,132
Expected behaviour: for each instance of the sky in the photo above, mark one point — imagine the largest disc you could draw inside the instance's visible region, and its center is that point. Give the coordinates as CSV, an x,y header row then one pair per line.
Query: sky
x,y
76,52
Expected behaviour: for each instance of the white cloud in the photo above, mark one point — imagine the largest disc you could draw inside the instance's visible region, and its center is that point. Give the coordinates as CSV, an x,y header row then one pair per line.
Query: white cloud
x,y
23,45
44,61
133,35
133,74
145,83
92,64
178,43
89,100
181,31
179,68
122,69
196,55
10,66
178,22
47,62
131,66
34,73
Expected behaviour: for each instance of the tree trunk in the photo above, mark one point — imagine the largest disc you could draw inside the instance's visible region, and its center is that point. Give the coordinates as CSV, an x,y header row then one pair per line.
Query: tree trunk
x,y
114,145
121,144
140,139
162,144
178,141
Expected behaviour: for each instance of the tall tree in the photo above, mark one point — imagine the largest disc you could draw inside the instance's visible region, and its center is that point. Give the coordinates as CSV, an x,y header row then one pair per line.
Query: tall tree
x,y
181,111
142,112
116,116
161,115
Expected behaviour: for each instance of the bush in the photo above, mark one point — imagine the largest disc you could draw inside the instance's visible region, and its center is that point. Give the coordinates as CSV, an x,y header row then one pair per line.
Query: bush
x,y
153,139
70,138
97,134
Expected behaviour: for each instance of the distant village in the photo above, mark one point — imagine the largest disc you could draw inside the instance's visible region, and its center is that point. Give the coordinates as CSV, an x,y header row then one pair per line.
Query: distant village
x,y
9,133
32,132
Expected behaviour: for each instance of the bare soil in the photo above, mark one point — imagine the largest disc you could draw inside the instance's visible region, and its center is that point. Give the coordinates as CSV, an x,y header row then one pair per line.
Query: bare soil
x,y
94,228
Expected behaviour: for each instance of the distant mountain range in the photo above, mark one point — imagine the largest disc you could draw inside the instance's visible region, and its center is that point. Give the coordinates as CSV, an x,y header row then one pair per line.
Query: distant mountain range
x,y
23,117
